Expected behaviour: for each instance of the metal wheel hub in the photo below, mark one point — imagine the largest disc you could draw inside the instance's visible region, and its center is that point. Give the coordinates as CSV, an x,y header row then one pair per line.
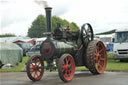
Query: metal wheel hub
x,y
35,68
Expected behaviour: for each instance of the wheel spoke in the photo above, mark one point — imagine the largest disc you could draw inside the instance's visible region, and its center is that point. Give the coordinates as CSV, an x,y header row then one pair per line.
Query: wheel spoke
x,y
39,64
69,71
102,59
65,74
98,45
100,66
96,58
34,74
67,60
64,66
32,64
70,64
96,50
101,50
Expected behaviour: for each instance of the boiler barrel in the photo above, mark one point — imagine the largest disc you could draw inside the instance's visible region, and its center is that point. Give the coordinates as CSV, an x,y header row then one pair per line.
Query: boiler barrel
x,y
55,48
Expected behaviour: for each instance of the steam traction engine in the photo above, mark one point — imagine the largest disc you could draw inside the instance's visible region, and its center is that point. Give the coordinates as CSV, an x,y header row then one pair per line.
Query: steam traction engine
x,y
68,49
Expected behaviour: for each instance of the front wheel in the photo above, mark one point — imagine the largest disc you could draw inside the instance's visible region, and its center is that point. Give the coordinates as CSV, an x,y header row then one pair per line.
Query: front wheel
x,y
66,67
34,70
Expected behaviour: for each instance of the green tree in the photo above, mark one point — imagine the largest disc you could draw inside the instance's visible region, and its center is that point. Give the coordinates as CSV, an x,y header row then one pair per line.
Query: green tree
x,y
56,20
64,23
73,26
8,35
38,27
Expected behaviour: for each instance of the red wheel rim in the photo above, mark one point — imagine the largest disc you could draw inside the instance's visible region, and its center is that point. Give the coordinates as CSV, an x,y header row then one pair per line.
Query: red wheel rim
x,y
100,57
35,63
68,67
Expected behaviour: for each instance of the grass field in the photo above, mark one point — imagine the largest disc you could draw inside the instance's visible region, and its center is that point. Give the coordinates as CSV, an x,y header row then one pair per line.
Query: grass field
x,y
112,65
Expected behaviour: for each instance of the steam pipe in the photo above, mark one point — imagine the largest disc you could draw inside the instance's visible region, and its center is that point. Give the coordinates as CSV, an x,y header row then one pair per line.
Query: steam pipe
x,y
48,20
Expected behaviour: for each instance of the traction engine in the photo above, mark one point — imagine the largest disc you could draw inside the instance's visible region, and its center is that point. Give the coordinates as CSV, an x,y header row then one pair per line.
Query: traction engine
x,y
64,50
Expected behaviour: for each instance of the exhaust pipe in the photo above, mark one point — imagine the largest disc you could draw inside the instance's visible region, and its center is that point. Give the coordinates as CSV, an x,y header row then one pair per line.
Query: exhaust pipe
x,y
49,21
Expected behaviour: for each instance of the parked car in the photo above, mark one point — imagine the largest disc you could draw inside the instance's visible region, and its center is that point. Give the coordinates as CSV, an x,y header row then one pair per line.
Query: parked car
x,y
35,50
25,46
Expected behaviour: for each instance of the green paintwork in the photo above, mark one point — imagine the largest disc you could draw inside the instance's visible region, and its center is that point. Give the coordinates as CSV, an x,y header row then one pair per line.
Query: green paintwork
x,y
64,47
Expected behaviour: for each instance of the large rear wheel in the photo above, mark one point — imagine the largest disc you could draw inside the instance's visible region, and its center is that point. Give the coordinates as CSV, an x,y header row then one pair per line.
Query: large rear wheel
x,y
66,68
96,57
34,70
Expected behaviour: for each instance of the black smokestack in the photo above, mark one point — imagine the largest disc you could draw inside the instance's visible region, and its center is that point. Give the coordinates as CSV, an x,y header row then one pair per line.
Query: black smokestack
x,y
48,20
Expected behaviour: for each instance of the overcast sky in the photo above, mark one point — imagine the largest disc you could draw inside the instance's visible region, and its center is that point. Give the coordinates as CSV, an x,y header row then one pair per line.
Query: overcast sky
x,y
16,16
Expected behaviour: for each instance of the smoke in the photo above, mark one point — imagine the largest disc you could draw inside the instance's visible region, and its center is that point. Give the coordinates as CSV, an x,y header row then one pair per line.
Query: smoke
x,y
42,3
60,7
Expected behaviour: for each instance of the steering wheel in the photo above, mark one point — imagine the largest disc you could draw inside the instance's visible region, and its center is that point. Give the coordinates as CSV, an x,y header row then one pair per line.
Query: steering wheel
x,y
86,33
